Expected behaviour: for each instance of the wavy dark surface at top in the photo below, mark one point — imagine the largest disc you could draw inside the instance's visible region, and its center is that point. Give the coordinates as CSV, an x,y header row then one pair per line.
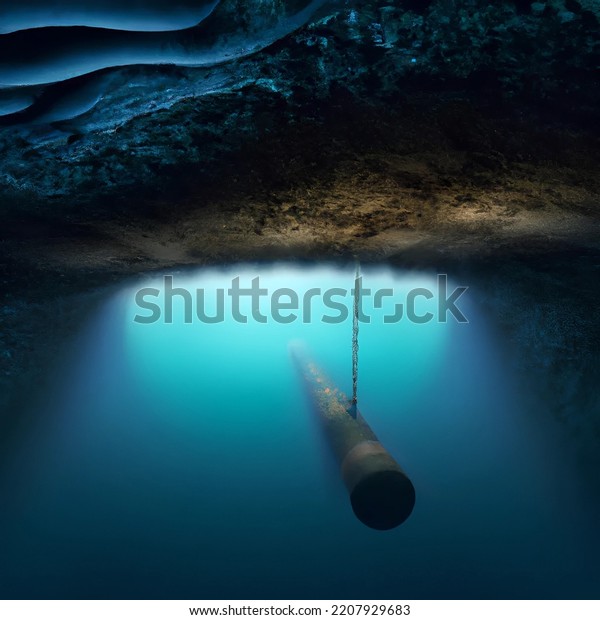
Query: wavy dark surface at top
x,y
137,15
32,60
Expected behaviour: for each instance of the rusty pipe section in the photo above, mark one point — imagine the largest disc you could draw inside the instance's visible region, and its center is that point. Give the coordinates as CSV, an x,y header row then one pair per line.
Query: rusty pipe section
x,y
381,494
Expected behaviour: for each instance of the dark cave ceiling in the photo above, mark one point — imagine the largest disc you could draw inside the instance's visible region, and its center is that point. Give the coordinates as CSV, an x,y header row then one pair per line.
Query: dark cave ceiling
x,y
78,77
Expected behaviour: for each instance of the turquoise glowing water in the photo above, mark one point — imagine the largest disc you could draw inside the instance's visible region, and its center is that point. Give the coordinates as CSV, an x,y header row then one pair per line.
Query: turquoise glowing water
x,y
176,460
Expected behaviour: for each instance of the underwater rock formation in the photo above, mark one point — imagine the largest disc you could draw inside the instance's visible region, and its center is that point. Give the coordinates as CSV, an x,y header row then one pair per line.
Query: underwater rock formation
x,y
67,94
43,56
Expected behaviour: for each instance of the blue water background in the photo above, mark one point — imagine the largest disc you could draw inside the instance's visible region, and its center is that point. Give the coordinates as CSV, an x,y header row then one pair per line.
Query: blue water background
x,y
183,461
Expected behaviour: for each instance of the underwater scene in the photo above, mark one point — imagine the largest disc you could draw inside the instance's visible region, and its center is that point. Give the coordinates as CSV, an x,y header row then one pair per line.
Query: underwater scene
x,y
299,301
180,458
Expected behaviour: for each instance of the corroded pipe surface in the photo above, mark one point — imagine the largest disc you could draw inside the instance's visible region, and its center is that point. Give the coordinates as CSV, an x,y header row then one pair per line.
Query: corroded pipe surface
x,y
381,494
